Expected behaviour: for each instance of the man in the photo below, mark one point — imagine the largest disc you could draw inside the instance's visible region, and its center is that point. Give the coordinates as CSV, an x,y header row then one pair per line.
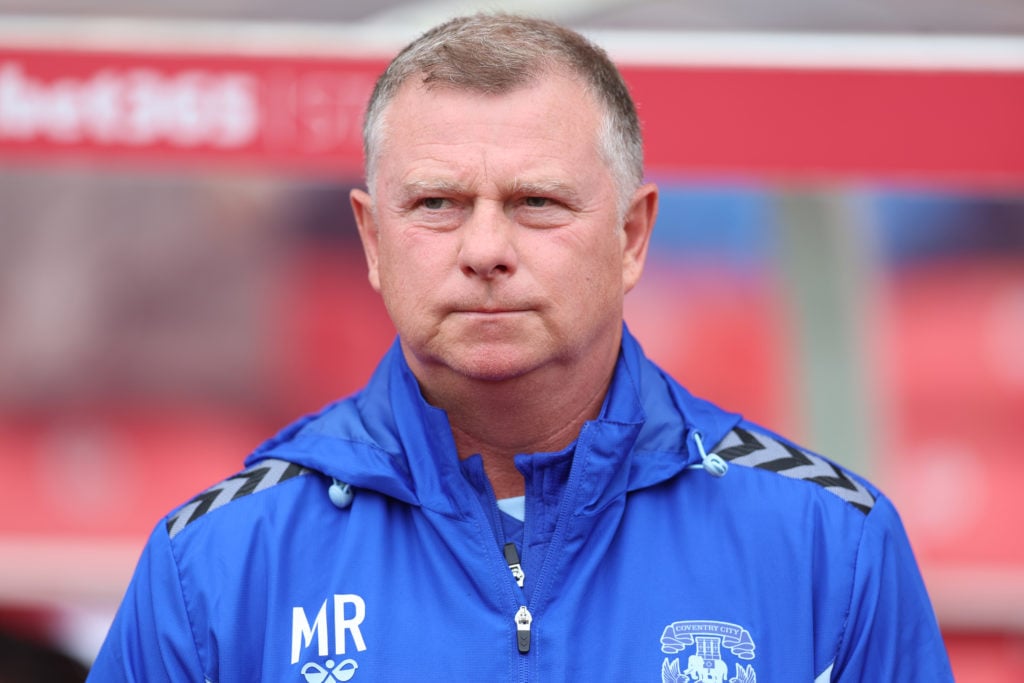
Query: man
x,y
518,494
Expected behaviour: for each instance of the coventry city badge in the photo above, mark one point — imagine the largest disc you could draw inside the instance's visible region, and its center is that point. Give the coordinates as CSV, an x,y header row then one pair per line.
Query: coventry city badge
x,y
705,644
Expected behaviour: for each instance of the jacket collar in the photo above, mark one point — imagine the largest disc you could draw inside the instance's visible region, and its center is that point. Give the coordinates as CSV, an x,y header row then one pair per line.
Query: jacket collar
x,y
389,439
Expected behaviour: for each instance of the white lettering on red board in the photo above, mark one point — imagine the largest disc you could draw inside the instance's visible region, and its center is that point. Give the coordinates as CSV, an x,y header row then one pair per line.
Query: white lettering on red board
x,y
135,107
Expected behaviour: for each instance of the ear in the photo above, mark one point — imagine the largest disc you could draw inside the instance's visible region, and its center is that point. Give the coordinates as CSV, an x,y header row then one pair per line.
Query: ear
x,y
362,209
637,227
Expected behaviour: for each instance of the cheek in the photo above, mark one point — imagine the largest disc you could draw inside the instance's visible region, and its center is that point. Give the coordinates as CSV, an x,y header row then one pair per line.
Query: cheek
x,y
589,284
604,274
410,270
394,273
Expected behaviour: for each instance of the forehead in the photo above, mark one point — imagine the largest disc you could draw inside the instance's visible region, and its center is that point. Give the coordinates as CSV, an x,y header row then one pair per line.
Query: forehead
x,y
552,119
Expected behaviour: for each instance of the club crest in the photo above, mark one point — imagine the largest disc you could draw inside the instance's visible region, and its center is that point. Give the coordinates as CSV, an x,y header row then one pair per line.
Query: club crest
x,y
709,648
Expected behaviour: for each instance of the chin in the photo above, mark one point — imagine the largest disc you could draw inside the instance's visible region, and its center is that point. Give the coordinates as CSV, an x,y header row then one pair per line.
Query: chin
x,y
492,364
490,371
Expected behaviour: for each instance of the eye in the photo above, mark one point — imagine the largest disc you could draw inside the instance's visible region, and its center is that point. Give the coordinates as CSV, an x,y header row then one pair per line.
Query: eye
x,y
536,202
433,203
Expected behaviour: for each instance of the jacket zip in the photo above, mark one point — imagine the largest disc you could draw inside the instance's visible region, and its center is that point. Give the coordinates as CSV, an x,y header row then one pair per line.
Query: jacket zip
x,y
523,621
512,558
523,617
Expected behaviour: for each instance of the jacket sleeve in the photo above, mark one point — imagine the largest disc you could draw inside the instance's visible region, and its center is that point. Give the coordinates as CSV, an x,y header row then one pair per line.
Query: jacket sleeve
x,y
150,640
891,631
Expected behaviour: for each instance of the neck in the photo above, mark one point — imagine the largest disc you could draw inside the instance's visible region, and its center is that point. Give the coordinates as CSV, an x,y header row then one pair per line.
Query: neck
x,y
540,412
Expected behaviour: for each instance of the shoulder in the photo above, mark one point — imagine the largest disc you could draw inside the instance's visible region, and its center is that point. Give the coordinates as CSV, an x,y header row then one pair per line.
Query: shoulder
x,y
254,479
750,446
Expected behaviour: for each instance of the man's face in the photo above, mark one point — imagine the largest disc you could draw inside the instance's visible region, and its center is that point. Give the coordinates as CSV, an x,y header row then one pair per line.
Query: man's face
x,y
493,234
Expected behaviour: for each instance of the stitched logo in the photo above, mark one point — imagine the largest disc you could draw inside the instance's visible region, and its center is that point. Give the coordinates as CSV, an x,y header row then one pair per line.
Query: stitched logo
x,y
707,645
334,673
322,632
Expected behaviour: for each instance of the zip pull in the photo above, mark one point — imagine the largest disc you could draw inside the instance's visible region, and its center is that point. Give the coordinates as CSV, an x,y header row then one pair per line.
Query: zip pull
x,y
512,558
523,621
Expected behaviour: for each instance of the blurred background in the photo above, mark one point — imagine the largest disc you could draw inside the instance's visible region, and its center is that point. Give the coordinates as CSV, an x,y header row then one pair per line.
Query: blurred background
x,y
839,255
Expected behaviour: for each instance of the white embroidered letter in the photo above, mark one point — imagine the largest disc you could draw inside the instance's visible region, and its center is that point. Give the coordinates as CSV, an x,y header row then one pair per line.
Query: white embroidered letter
x,y
302,632
343,624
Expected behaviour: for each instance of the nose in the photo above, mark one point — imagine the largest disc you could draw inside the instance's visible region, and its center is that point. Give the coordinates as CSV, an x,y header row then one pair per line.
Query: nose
x,y
487,246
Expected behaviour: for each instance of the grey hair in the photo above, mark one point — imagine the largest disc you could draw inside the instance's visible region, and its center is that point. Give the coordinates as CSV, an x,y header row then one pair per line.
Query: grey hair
x,y
498,53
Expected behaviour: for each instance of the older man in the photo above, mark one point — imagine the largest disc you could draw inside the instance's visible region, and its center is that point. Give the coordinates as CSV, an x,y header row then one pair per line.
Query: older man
x,y
518,494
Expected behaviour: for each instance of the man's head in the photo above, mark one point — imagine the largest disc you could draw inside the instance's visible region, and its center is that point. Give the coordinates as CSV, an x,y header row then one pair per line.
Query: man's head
x,y
499,229
495,54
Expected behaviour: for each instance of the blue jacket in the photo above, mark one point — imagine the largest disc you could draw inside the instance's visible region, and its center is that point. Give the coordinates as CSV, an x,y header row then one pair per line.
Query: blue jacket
x,y
639,563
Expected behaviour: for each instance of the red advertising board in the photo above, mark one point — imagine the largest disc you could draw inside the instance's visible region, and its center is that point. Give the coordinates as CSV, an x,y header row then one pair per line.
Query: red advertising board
x,y
288,114
304,114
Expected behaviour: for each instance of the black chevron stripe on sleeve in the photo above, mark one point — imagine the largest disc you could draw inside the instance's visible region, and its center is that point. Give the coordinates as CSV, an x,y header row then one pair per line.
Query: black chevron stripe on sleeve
x,y
259,477
745,448
795,459
201,504
747,444
251,480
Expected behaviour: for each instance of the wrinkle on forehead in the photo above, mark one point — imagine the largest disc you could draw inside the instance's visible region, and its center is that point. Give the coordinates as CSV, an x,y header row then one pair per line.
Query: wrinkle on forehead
x,y
385,125
501,151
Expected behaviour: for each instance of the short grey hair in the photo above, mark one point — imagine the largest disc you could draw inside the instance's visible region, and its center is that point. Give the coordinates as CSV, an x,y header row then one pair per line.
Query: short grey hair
x,y
498,53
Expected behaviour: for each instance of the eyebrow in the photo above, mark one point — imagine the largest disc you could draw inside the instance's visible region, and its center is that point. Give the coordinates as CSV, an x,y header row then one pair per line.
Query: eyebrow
x,y
518,186
541,186
433,186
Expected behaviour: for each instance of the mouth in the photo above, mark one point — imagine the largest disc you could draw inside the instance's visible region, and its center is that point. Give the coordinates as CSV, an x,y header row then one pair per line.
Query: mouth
x,y
491,312
491,308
